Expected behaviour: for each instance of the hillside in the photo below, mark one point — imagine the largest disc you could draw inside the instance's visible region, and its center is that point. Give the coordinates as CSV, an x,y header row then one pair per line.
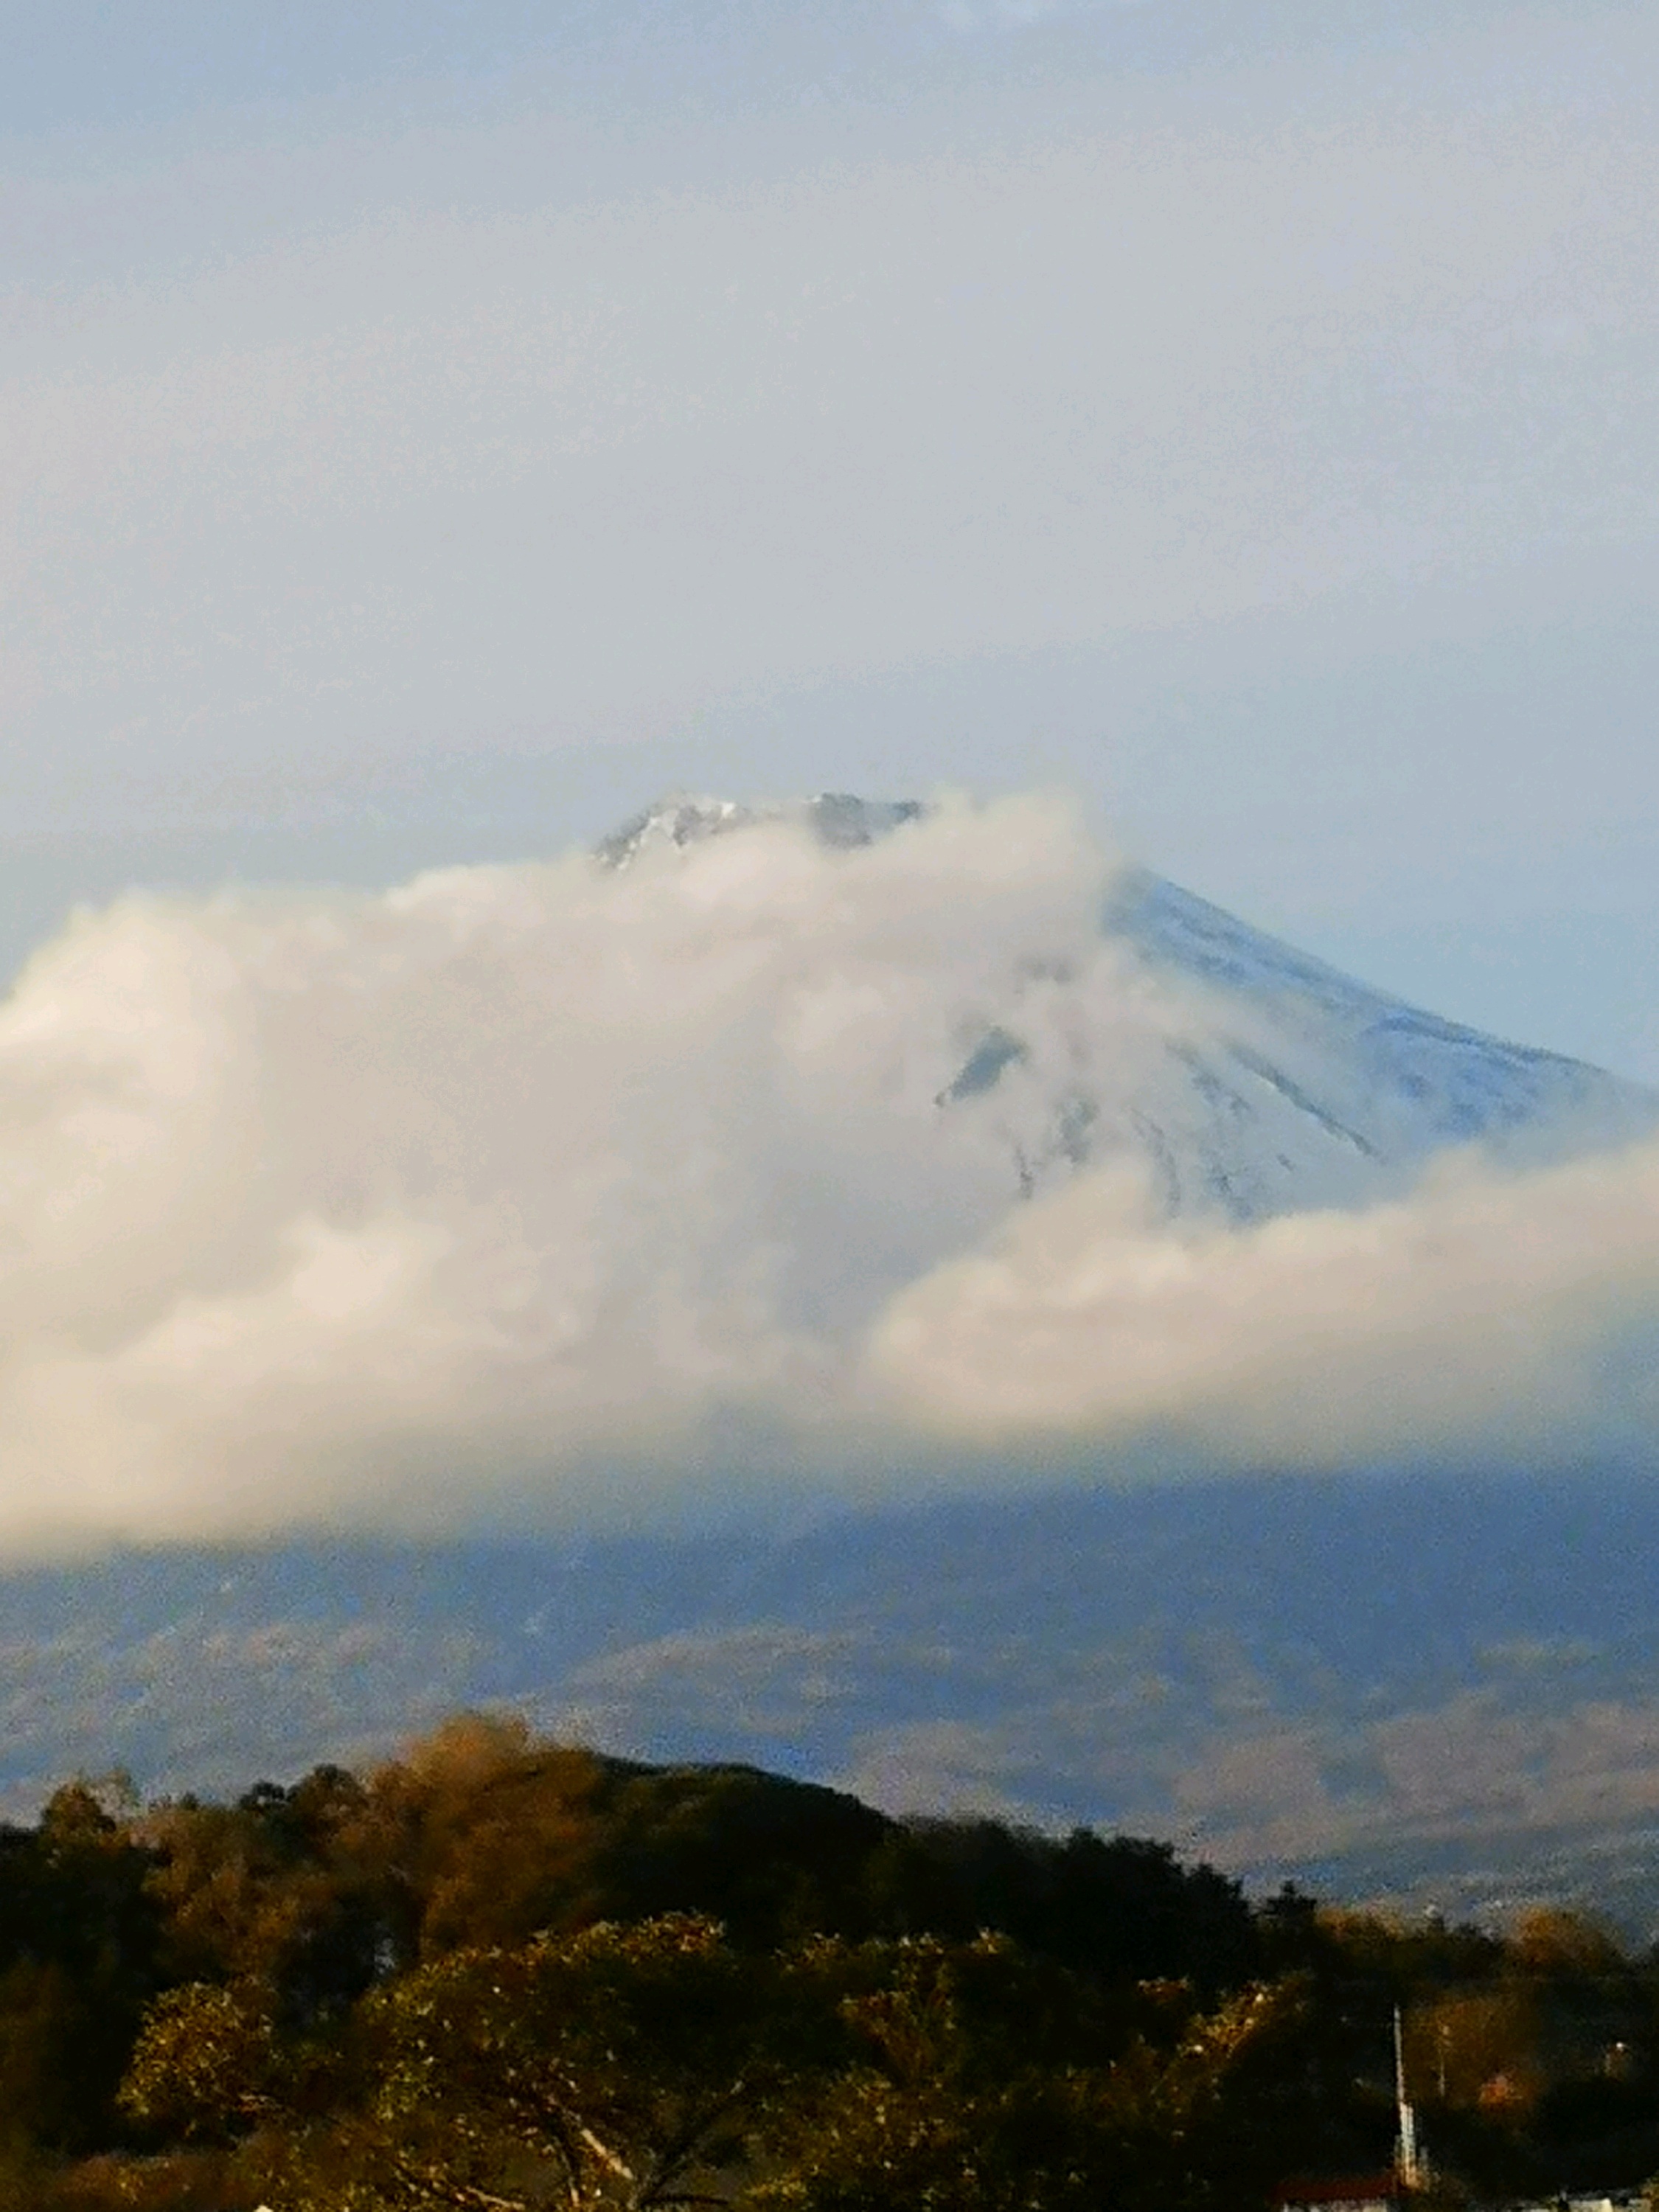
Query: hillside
x,y
1449,1691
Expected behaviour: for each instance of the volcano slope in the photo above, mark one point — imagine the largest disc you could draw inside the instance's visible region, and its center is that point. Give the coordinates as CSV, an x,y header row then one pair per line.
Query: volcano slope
x,y
1446,1692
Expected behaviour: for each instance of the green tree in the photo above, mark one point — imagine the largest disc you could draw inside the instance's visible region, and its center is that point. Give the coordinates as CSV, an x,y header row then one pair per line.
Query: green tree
x,y
982,2079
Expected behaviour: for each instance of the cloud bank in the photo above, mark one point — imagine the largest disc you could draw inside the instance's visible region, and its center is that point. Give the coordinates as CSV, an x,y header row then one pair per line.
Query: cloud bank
x,y
570,1191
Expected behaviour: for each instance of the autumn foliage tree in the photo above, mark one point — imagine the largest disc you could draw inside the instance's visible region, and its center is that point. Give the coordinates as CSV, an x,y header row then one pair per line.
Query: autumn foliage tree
x,y
498,1972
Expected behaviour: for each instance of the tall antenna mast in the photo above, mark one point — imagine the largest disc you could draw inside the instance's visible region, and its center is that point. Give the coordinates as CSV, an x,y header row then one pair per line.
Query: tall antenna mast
x,y
1410,2166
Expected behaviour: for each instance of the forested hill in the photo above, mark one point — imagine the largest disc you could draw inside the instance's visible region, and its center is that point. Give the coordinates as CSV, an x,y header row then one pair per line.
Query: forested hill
x,y
499,1972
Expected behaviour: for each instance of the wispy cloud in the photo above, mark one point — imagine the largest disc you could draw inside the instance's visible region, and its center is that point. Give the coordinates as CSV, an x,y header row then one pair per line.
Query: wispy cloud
x,y
972,16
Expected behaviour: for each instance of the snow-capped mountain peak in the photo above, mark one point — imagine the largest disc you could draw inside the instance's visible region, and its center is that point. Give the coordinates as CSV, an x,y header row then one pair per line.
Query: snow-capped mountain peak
x,y
836,818
1243,1077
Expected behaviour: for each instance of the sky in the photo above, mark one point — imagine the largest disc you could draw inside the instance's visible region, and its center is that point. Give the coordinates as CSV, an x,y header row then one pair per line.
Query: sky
x,y
1218,435
434,430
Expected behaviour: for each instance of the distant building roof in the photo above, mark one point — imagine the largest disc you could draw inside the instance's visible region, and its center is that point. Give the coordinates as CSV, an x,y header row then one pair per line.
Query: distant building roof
x,y
1349,2192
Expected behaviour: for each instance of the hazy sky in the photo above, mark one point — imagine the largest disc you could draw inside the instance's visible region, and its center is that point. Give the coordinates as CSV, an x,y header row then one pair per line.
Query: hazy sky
x,y
433,429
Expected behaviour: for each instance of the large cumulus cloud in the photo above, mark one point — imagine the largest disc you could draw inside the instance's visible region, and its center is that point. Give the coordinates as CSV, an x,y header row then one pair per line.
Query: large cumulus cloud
x,y
570,1190
1487,1317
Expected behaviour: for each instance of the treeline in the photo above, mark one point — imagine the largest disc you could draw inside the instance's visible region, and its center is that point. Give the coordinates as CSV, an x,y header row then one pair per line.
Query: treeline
x,y
501,1972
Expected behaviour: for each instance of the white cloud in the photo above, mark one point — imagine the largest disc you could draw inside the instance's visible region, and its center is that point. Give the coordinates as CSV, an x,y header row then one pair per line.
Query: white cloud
x,y
308,1199
541,1190
1487,1317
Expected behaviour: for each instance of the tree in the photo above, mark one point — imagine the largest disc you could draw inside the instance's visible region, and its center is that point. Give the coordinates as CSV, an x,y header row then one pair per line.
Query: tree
x,y
79,1940
982,2079
480,1835
625,2066
279,1891
206,2064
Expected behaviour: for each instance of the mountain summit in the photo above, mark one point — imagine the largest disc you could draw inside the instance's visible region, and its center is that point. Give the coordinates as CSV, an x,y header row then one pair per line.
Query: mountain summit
x,y
835,818
1244,1078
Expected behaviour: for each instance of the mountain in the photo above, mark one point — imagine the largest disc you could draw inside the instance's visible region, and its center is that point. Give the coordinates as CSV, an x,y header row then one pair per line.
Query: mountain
x,y
1243,1077
1443,1693
1442,1688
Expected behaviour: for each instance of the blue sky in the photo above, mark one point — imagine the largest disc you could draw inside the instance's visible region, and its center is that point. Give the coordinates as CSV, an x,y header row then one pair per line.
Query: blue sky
x,y
435,430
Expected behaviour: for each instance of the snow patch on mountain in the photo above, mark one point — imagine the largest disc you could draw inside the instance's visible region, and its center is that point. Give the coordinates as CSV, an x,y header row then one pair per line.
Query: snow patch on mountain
x,y
1240,1077
813,1148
